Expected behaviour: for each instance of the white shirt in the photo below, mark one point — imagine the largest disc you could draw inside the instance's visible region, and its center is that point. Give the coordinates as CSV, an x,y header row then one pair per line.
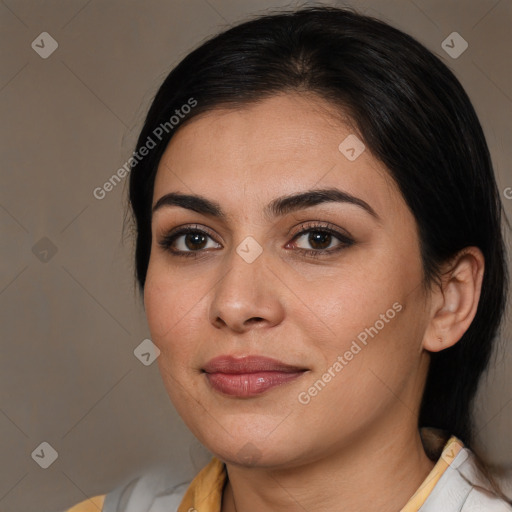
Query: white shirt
x,y
461,488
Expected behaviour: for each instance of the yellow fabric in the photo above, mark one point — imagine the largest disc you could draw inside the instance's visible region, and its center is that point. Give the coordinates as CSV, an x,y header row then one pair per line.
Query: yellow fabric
x,y
205,491
91,505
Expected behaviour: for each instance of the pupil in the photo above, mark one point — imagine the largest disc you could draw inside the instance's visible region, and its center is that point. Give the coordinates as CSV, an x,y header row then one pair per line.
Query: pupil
x,y
323,239
195,238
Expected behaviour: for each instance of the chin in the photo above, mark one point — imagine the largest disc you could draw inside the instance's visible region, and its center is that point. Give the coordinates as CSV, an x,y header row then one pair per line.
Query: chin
x,y
253,450
251,455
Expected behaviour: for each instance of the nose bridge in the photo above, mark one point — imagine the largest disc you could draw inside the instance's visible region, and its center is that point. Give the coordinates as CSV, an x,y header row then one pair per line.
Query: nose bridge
x,y
243,279
245,291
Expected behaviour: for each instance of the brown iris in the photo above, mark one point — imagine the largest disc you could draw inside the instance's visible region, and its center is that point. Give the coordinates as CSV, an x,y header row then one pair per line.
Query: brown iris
x,y
316,238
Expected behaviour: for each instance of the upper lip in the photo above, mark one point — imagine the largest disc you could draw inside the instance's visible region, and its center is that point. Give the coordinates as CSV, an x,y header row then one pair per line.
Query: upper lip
x,y
248,364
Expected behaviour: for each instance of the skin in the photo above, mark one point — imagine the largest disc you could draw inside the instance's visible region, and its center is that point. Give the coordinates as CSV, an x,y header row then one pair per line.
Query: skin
x,y
357,438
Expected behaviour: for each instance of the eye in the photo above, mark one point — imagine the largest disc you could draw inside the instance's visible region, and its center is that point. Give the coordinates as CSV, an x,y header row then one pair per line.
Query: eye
x,y
190,241
187,241
320,240
323,239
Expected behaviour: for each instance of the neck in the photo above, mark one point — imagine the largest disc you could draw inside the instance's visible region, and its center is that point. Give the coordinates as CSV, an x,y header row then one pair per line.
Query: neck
x,y
378,470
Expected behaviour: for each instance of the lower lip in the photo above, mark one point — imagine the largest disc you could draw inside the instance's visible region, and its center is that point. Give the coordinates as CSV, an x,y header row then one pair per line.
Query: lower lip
x,y
249,384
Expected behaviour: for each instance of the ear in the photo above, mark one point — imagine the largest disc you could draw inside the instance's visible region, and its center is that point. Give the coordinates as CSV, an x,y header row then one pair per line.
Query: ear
x,y
454,301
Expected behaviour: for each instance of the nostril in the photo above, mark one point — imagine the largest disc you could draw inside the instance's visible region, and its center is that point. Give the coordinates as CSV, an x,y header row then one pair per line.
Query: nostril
x,y
254,319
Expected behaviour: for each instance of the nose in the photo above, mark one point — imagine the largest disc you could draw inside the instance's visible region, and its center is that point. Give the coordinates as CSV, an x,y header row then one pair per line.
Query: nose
x,y
248,296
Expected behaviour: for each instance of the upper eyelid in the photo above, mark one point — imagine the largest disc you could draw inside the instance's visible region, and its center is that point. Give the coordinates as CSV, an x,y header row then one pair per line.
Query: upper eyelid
x,y
319,225
303,226
195,227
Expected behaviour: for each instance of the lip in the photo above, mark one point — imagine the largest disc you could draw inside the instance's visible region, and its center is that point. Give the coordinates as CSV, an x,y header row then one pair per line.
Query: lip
x,y
250,375
248,364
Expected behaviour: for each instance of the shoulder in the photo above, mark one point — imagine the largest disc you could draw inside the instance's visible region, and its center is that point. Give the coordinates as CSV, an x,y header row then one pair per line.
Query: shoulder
x,y
156,490
462,488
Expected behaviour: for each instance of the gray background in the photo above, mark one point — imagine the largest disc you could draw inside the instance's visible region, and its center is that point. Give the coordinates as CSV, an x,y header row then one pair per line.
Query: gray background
x,y
71,320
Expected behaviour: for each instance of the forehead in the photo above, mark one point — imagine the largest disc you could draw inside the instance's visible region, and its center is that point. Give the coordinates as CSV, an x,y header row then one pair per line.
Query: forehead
x,y
284,144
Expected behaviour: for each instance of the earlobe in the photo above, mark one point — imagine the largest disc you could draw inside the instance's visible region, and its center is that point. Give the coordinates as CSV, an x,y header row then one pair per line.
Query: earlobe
x,y
455,301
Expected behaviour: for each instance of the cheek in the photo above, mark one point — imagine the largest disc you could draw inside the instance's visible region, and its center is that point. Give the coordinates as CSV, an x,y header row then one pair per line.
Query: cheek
x,y
169,301
169,312
366,371
158,303
344,303
176,307
166,313
370,316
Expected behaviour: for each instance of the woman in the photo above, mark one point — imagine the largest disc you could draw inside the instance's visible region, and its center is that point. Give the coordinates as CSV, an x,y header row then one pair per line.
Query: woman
x,y
320,254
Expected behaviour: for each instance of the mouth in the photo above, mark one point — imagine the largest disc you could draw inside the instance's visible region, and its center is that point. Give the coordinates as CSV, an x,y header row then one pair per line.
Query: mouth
x,y
249,376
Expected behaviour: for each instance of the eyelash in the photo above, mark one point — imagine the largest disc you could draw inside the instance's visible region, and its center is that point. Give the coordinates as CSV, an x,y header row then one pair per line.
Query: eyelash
x,y
345,241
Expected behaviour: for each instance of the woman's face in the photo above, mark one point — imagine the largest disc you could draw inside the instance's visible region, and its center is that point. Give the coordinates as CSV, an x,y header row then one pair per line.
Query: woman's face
x,y
331,287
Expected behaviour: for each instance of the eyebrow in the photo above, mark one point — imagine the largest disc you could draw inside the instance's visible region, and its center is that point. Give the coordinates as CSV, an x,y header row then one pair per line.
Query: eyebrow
x,y
278,207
